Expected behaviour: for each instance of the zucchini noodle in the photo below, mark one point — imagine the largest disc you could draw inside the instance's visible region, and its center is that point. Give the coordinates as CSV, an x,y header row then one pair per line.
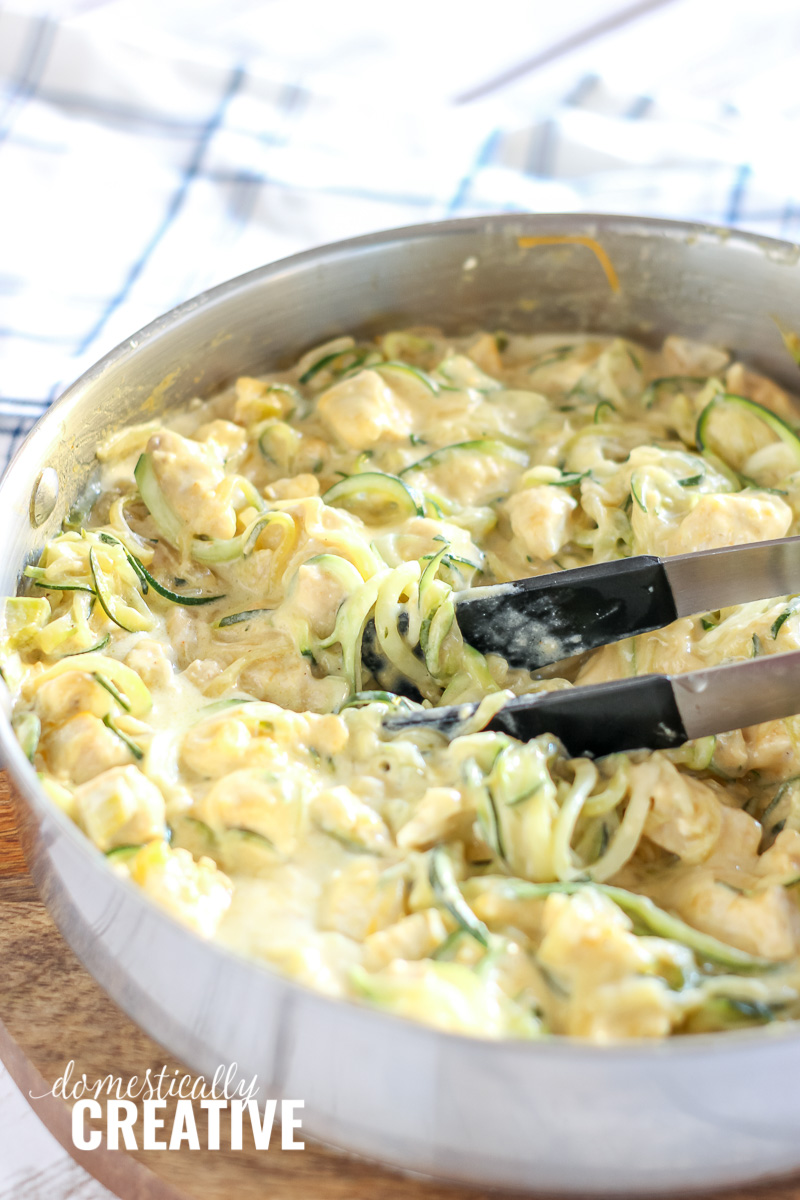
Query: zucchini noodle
x,y
349,629
625,841
402,581
130,540
202,662
573,797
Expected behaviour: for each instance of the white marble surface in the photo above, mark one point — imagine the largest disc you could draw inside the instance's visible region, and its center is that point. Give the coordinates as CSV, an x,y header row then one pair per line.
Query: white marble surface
x,y
33,1166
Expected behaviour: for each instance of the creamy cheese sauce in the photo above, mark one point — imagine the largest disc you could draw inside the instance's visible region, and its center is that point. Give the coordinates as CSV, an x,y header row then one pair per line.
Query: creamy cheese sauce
x,y
201,664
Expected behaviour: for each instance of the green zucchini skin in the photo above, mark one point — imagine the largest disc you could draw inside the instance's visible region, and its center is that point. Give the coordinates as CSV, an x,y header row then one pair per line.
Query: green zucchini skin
x,y
780,621
782,430
171,527
121,854
112,690
80,512
675,382
167,521
376,485
478,445
239,617
413,372
225,550
359,699
38,575
135,749
603,409
730,1012
148,581
166,593
359,357
107,597
654,920
636,492
95,649
446,890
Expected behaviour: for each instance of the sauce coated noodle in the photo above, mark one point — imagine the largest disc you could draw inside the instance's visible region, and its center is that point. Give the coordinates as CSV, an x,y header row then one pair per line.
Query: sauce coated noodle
x,y
188,679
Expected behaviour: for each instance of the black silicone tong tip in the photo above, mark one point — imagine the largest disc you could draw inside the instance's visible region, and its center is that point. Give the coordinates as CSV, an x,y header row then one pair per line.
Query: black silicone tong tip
x,y
629,714
534,622
384,674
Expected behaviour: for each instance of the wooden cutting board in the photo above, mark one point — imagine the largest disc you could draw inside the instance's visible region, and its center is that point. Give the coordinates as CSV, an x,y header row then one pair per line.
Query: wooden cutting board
x,y
51,1011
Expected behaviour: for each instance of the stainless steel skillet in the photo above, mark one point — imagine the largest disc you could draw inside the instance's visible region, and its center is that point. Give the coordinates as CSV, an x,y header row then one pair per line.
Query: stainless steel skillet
x,y
558,1116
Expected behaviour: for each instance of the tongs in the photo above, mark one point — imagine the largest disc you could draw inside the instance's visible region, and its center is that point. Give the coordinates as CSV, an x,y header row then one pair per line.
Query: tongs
x,y
538,621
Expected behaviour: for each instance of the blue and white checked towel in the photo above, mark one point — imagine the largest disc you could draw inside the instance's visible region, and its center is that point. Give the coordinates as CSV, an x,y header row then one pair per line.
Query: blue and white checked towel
x,y
151,148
